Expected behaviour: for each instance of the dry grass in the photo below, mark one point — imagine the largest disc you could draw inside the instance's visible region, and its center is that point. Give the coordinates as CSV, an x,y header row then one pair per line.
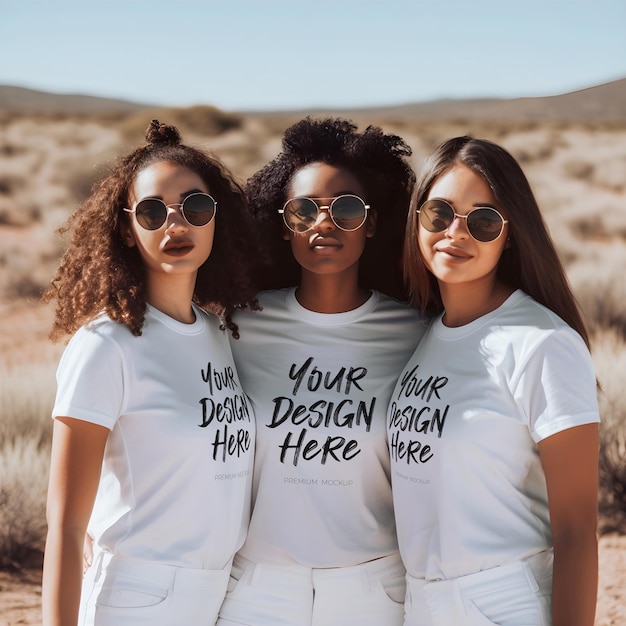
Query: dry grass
x,y
609,348
601,289
26,397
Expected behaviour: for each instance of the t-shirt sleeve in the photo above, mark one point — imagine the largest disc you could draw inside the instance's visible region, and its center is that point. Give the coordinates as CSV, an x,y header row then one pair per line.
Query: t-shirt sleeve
x,y
90,380
557,387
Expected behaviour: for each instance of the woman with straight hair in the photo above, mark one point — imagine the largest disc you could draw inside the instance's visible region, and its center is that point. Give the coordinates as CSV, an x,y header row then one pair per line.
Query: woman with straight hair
x,y
493,424
153,437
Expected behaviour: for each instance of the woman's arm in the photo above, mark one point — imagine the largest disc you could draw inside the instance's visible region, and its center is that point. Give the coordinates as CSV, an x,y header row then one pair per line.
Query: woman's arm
x,y
75,466
570,463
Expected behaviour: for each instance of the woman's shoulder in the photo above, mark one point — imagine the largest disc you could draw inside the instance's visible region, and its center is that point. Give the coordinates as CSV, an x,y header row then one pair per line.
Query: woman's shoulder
x,y
100,341
524,310
102,326
533,326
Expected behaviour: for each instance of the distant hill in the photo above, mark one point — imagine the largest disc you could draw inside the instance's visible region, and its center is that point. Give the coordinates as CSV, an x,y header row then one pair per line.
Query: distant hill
x,y
22,100
600,103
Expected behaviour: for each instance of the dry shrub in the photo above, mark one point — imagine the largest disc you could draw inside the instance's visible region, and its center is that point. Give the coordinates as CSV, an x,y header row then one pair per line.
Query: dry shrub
x,y
590,227
536,145
245,150
198,120
26,273
18,216
601,291
10,182
23,482
610,174
26,398
80,177
580,170
594,227
609,351
25,286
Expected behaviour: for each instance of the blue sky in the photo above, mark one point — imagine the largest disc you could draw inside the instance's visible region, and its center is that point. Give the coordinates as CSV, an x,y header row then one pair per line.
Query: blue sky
x,y
284,54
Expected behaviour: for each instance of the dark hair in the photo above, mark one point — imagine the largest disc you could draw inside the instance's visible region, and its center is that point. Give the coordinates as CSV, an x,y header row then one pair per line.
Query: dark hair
x,y
99,273
530,263
377,160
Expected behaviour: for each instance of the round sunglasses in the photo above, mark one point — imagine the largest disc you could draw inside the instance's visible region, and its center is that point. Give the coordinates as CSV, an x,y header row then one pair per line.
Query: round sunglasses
x,y
197,209
348,212
484,223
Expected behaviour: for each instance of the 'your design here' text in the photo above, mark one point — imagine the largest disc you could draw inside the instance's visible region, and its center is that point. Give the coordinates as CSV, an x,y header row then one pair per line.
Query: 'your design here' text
x,y
308,419
229,409
415,416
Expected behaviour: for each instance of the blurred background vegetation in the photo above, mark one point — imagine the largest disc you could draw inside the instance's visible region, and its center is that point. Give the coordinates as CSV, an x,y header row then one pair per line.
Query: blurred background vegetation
x,y
50,158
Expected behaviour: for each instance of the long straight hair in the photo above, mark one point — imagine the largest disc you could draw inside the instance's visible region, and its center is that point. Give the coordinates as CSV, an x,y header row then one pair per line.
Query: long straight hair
x,y
530,263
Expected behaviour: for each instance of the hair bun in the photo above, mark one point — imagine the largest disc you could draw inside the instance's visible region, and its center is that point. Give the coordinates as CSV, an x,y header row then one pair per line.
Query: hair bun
x,y
162,134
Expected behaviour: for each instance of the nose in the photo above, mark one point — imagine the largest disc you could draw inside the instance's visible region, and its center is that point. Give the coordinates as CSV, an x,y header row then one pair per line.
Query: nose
x,y
175,221
323,222
458,227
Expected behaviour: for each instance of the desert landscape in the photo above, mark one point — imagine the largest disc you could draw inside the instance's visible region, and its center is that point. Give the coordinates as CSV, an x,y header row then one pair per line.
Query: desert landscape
x,y
53,148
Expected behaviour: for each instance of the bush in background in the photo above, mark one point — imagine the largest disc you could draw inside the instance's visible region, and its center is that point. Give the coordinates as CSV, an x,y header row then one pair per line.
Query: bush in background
x,y
609,350
26,398
601,292
198,120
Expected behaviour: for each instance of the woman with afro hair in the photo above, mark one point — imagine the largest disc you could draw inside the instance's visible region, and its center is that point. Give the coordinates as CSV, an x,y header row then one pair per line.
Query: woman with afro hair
x,y
318,364
153,437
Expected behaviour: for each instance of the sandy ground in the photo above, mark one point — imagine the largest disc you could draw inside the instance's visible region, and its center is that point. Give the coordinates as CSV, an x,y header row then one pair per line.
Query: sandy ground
x,y
20,593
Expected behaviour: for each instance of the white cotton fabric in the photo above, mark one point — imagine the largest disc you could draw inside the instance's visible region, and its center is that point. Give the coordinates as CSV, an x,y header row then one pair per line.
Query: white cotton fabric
x,y
176,477
463,424
320,385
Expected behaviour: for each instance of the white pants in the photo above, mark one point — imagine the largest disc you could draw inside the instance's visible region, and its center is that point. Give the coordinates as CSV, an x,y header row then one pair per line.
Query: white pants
x,y
516,594
370,594
123,592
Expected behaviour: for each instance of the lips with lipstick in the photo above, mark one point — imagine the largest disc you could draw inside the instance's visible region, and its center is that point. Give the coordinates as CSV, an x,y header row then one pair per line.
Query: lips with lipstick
x,y
457,253
178,247
325,243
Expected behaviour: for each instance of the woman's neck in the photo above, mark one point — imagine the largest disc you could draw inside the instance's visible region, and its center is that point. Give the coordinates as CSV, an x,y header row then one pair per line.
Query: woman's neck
x,y
466,303
324,293
172,295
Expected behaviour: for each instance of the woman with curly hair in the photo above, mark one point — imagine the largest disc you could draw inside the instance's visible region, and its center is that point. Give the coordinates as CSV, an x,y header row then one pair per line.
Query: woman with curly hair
x,y
493,425
153,437
318,364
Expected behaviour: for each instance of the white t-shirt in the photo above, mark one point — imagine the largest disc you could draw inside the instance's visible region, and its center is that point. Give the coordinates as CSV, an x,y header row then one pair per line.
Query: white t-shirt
x,y
177,472
320,385
463,423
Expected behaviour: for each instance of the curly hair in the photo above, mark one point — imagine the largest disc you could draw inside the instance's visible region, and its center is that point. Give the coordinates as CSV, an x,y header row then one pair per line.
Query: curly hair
x,y
531,262
377,160
99,273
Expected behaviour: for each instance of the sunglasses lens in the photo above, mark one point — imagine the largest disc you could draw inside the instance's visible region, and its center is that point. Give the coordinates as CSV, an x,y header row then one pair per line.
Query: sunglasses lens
x,y
484,224
300,214
151,213
348,212
436,216
199,209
